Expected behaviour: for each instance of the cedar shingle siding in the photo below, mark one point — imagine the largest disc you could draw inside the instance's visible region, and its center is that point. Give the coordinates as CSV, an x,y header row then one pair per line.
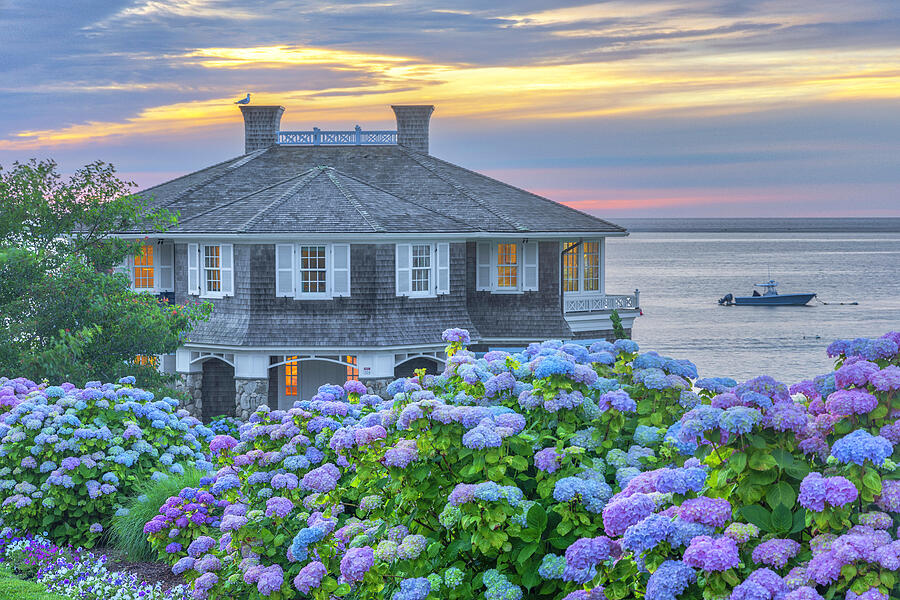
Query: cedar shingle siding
x,y
295,193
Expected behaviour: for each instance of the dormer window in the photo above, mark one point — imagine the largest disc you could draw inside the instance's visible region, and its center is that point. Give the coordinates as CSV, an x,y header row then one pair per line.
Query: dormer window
x,y
507,267
312,271
211,270
422,270
151,269
142,274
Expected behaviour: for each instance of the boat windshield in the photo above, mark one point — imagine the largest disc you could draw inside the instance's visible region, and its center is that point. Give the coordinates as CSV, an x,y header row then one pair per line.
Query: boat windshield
x,y
770,287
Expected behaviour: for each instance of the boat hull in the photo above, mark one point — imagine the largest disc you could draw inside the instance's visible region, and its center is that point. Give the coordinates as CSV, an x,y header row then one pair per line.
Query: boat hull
x,y
779,300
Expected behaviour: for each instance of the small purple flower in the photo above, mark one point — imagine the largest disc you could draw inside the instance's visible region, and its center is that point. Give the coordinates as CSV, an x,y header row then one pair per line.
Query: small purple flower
x,y
708,511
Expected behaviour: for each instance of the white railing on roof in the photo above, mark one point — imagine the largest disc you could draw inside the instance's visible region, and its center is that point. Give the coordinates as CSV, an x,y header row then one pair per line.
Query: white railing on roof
x,y
356,137
588,302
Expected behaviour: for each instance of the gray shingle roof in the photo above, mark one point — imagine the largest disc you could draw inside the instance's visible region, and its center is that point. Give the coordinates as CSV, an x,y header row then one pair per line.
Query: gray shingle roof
x,y
357,189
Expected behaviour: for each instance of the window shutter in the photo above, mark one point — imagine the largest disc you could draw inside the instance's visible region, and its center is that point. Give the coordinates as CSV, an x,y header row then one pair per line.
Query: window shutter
x,y
340,270
530,266
193,262
284,270
165,269
483,267
443,268
227,261
125,268
404,273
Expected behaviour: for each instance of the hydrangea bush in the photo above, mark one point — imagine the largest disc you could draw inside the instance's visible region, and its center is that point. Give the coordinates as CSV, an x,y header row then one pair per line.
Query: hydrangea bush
x,y
70,454
490,479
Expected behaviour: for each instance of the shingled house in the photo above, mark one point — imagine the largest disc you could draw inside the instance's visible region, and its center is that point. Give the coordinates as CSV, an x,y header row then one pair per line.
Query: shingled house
x,y
344,254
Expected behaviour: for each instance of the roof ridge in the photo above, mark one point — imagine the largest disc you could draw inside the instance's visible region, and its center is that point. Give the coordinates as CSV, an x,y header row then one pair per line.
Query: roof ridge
x,y
305,178
241,161
352,199
407,200
538,196
238,199
459,188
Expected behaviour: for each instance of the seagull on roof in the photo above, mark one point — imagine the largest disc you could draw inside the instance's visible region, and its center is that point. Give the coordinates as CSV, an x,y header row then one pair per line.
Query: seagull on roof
x,y
243,100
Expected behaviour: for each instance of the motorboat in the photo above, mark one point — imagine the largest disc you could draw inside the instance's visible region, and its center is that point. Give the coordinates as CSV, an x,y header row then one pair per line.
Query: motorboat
x,y
769,297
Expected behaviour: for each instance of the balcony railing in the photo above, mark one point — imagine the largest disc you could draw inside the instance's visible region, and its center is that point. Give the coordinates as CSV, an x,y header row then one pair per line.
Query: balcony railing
x,y
589,303
356,137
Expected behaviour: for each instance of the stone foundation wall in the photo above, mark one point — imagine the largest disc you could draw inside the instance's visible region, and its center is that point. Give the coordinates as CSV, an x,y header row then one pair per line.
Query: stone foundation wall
x,y
192,385
250,394
378,386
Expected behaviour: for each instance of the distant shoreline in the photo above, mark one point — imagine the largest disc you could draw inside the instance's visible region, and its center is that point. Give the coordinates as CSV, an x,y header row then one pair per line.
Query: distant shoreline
x,y
764,225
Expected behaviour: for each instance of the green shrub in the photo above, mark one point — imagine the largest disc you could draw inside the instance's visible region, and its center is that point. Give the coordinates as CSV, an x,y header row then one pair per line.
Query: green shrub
x,y
127,528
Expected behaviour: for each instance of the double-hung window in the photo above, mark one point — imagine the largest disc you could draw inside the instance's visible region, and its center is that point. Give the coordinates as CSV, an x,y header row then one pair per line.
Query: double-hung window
x,y
581,266
142,274
310,271
151,269
211,270
313,270
507,266
423,269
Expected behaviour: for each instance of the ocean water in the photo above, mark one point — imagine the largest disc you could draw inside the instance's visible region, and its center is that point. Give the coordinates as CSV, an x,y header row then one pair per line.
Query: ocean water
x,y
681,276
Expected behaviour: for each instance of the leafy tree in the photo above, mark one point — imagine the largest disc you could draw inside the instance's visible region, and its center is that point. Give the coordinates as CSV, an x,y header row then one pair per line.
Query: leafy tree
x,y
65,314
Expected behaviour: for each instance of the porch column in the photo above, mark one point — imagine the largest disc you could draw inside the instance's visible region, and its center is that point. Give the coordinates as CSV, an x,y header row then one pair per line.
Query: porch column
x,y
189,382
251,383
376,370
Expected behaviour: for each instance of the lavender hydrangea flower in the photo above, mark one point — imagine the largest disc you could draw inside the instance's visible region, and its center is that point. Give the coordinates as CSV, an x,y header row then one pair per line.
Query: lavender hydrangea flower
x,y
356,563
776,552
712,554
708,511
322,479
310,577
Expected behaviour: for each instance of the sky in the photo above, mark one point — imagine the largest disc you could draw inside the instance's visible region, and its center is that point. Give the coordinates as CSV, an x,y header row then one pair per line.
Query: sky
x,y
621,108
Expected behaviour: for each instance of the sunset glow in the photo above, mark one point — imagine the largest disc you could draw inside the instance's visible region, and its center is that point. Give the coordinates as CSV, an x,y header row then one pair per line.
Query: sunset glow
x,y
618,62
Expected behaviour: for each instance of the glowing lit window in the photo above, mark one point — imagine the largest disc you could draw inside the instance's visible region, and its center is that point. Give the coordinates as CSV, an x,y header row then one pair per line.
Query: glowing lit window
x,y
143,268
290,376
507,266
146,360
590,269
352,369
212,268
570,268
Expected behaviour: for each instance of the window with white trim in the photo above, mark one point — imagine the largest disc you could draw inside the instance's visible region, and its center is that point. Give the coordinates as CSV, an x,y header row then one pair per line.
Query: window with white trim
x,y
507,266
581,267
142,273
151,269
422,270
210,270
313,270
309,271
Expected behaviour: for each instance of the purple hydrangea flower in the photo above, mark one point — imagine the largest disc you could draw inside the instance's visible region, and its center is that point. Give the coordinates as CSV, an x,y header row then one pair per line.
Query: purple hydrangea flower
x,y
775,553
708,511
310,577
356,563
712,554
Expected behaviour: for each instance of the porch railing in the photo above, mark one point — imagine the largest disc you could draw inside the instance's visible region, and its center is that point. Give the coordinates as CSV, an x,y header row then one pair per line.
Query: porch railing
x,y
587,302
356,137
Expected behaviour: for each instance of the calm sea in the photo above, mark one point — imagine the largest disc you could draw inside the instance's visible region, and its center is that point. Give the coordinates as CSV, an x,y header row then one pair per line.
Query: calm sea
x,y
681,275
